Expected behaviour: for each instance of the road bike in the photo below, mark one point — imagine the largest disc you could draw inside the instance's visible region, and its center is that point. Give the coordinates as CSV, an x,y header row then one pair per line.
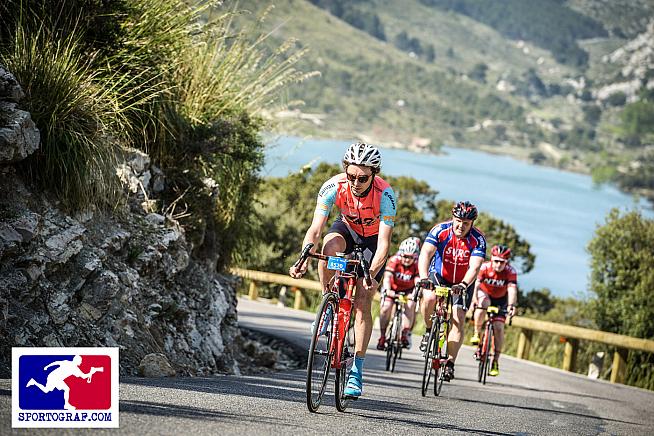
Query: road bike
x,y
394,331
330,346
436,351
486,349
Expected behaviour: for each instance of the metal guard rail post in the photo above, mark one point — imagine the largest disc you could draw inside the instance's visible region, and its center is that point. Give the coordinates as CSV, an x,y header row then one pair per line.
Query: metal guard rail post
x,y
571,334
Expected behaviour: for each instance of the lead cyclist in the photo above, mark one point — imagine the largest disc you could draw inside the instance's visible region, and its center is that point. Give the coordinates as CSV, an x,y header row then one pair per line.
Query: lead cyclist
x,y
367,208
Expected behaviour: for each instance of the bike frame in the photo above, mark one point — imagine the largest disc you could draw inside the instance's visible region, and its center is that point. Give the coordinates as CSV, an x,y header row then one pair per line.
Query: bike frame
x,y
441,313
343,315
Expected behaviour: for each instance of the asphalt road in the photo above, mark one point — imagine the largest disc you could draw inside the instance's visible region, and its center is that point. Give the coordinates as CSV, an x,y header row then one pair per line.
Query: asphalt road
x,y
526,398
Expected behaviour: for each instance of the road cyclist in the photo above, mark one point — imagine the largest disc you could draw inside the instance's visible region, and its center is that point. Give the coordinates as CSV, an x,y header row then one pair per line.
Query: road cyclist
x,y
451,256
496,286
367,208
400,278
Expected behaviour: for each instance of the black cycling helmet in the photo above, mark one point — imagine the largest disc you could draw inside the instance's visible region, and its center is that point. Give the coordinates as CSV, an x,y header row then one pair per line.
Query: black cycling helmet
x,y
465,210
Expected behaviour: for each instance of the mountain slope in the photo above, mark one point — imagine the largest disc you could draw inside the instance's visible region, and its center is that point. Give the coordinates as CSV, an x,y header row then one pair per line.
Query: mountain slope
x,y
370,87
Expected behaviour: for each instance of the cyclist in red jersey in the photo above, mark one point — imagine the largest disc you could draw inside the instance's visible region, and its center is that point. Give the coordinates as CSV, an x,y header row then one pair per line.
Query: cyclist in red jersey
x,y
400,277
367,215
451,256
497,285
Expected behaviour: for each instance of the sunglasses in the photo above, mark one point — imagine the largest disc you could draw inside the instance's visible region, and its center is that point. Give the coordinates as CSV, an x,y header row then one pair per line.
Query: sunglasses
x,y
499,261
361,179
407,257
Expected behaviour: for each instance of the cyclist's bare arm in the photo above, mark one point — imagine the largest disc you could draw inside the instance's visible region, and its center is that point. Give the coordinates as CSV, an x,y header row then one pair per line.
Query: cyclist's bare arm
x,y
426,255
473,269
513,296
386,284
311,237
383,243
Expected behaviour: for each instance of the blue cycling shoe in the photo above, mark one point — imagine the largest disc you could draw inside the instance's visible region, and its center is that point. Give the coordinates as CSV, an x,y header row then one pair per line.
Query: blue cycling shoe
x,y
354,386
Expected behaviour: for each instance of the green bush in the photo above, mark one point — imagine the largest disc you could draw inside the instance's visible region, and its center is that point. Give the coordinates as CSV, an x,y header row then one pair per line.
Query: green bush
x,y
81,117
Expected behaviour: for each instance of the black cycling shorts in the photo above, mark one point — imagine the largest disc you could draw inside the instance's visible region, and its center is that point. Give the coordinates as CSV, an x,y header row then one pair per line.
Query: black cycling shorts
x,y
368,243
457,300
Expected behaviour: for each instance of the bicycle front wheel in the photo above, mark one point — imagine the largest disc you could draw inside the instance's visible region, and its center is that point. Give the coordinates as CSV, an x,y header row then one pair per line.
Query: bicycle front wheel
x,y
432,346
320,351
347,359
487,345
483,357
397,338
441,346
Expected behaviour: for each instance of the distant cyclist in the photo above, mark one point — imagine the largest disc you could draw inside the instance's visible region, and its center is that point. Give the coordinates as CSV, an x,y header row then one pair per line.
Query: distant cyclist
x,y
400,277
367,215
451,256
497,285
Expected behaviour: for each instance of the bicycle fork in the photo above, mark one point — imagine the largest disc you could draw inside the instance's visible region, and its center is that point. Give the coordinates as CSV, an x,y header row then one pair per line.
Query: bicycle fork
x,y
342,323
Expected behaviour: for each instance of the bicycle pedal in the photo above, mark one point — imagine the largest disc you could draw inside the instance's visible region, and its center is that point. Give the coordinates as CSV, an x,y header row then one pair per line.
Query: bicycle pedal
x,y
350,397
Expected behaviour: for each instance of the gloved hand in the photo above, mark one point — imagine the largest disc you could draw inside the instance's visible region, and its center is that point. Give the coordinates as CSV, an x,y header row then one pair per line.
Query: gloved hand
x,y
459,288
425,284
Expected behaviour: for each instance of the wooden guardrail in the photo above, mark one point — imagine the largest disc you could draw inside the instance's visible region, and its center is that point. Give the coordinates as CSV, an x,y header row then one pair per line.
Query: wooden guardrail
x,y
570,334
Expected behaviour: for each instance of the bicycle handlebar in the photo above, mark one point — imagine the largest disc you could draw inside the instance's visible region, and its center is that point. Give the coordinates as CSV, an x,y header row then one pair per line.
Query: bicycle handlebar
x,y
501,312
306,253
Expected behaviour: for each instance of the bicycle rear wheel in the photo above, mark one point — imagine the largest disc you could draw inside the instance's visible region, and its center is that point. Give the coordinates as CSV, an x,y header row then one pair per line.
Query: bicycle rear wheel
x,y
488,345
428,369
397,338
347,359
483,357
439,376
320,351
389,344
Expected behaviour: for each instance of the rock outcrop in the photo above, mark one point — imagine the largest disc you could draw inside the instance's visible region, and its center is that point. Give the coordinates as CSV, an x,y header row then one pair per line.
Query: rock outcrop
x,y
123,279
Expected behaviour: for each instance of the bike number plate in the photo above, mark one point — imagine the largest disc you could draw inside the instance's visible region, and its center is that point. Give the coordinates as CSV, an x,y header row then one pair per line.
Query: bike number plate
x,y
336,263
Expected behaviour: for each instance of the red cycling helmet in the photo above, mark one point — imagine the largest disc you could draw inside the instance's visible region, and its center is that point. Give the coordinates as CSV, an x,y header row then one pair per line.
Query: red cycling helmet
x,y
465,210
501,251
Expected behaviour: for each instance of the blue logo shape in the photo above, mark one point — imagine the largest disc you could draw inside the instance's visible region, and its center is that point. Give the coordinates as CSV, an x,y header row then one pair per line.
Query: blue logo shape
x,y
36,392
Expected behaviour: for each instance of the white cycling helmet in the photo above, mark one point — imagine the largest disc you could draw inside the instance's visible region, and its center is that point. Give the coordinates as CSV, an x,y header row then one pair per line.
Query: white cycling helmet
x,y
409,246
363,154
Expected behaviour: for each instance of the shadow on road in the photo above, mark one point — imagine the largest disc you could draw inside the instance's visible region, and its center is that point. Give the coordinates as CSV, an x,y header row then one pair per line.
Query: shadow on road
x,y
574,394
177,411
540,409
411,421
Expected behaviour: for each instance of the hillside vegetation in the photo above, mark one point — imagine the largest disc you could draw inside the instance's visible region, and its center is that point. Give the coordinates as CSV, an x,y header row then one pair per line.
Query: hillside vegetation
x,y
542,81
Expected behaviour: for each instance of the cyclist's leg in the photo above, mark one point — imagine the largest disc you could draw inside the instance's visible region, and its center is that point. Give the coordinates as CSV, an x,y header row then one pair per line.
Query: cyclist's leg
x,y
483,301
460,305
498,325
385,313
409,315
363,317
336,240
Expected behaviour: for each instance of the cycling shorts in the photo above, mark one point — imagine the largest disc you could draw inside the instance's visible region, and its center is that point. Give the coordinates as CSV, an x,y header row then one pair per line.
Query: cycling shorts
x,y
368,243
461,300
484,300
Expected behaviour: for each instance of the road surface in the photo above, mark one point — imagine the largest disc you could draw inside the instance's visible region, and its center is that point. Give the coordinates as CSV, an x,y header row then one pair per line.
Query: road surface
x,y
526,398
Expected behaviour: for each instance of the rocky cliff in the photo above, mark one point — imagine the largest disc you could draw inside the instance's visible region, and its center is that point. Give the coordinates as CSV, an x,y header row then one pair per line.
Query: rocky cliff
x,y
123,278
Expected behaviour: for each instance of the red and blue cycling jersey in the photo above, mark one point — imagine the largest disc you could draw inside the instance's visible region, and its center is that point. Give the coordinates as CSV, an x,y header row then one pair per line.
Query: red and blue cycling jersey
x,y
361,214
452,257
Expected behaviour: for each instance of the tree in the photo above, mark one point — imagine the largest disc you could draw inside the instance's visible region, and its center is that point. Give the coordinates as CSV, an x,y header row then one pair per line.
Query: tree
x,y
286,206
622,279
478,72
430,53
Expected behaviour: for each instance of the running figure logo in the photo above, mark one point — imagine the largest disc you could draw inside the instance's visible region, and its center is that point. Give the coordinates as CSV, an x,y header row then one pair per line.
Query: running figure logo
x,y
65,382
58,387
56,379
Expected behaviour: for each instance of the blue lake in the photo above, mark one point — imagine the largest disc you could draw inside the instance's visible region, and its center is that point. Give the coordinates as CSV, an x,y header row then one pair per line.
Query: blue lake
x,y
556,211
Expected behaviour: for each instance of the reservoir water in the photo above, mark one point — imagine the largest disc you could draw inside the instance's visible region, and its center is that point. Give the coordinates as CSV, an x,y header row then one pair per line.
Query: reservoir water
x,y
555,211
